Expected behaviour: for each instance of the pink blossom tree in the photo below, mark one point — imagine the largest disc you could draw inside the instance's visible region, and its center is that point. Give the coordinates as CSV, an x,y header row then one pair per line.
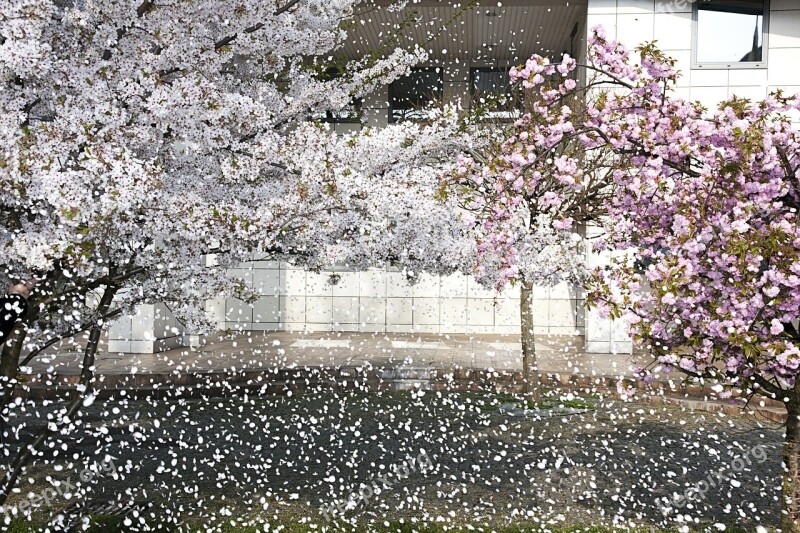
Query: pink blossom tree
x,y
706,209
529,191
138,137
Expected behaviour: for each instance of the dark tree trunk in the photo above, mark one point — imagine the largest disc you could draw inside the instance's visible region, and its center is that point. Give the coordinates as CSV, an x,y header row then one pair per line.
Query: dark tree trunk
x,y
790,511
9,361
530,369
37,441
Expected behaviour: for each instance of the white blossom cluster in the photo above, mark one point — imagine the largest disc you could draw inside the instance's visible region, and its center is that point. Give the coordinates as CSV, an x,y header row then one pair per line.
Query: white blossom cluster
x,y
138,137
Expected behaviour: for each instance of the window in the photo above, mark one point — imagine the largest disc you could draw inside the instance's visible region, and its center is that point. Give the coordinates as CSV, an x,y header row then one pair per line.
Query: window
x,y
350,114
730,33
410,97
491,93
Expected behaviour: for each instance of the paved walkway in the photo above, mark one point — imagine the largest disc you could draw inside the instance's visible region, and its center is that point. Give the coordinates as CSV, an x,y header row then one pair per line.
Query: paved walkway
x,y
283,361
257,350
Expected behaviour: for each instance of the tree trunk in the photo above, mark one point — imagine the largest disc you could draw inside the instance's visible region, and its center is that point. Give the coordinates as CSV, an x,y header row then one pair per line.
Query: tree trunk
x,y
790,512
530,370
35,444
9,361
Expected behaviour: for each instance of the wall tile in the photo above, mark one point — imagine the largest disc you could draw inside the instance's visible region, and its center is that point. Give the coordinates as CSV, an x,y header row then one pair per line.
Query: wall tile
x,y
602,7
397,285
347,285
141,346
267,309
562,314
710,97
400,328
784,29
372,283
753,93
119,346
293,309
635,6
454,286
372,310
398,311
673,6
427,286
783,67
480,312
426,311
633,30
238,311
747,77
709,78
506,312
453,311
319,309
673,31
540,310
267,282
607,21
372,328
293,282
345,309
120,329
476,290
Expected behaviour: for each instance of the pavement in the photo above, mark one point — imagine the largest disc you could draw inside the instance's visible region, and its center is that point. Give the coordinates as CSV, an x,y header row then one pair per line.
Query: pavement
x,y
265,350
282,362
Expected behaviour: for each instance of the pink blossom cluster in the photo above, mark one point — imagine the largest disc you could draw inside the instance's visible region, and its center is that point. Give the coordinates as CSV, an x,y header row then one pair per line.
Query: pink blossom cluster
x,y
518,193
705,203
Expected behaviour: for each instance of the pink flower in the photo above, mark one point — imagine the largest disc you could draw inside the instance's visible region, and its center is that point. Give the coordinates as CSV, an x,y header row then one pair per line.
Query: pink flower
x,y
551,198
563,224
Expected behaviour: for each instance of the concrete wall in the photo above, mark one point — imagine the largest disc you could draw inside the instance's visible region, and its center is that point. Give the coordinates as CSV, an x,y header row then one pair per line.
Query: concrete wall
x,y
382,300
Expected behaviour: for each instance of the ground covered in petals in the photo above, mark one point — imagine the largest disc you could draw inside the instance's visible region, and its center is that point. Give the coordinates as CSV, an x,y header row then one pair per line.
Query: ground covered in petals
x,y
453,460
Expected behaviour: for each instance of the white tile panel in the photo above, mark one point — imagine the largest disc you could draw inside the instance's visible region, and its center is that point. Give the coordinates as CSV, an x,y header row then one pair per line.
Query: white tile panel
x,y
673,31
398,311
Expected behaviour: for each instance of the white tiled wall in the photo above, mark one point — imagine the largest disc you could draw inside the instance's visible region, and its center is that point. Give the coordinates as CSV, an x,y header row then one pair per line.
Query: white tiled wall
x,y
153,328
384,300
669,23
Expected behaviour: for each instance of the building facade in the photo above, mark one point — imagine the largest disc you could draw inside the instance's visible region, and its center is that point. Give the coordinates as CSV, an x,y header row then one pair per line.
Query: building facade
x,y
746,48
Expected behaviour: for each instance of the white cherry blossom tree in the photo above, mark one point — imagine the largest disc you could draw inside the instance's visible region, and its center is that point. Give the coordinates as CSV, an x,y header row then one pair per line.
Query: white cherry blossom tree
x,y
137,137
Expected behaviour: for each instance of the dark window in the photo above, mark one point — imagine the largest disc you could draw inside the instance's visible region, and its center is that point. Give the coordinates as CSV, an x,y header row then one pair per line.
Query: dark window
x,y
491,93
350,114
411,97
730,32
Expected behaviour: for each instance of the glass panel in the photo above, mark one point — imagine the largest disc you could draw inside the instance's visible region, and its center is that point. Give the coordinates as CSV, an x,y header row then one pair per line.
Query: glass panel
x,y
491,93
730,31
410,95
490,82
